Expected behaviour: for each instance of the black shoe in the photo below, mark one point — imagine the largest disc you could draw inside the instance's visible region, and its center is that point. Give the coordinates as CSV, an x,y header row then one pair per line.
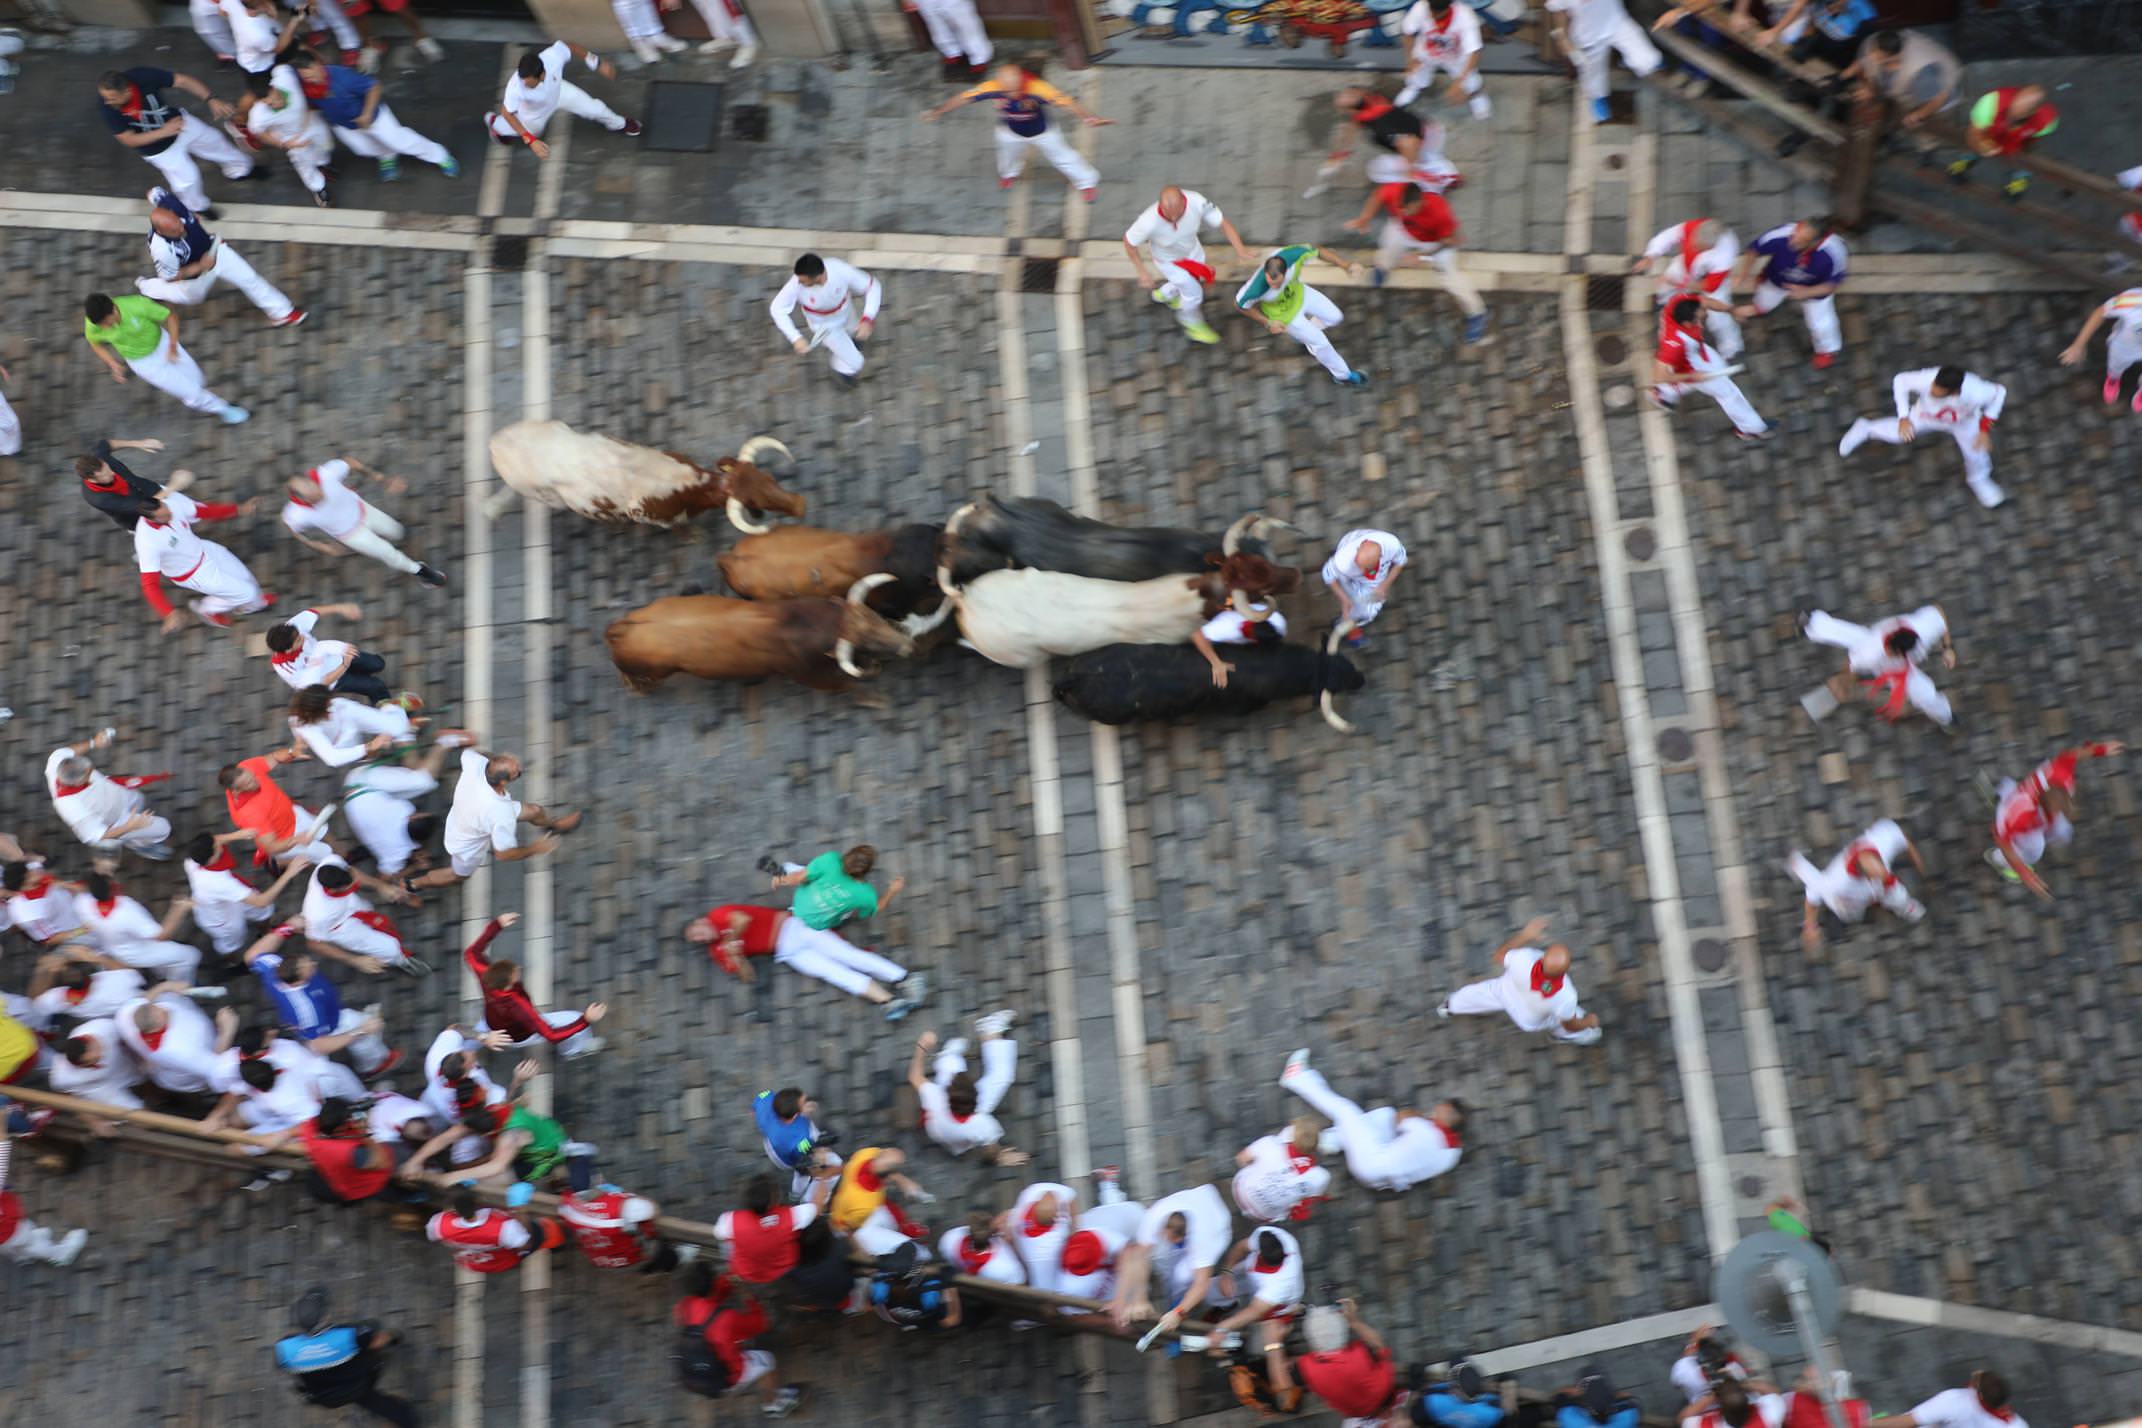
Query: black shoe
x,y
845,380
208,213
770,865
324,199
434,578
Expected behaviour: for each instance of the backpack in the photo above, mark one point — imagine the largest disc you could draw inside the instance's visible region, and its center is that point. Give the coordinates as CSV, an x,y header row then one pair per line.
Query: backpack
x,y
915,1300
699,1369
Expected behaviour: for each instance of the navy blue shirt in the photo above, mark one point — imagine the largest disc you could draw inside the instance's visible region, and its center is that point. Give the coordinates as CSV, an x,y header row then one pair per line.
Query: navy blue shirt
x,y
150,112
191,245
1818,267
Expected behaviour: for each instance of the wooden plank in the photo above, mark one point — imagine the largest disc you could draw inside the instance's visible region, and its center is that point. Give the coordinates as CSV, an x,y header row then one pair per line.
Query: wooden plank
x,y
1761,91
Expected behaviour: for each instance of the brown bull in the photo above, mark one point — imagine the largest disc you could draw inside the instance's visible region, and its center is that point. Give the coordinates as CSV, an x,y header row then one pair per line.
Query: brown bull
x,y
813,641
795,561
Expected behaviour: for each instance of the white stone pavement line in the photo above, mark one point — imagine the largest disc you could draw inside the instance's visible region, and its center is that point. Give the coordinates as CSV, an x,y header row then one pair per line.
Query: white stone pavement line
x,y
2000,1323
1691,1055
1605,1339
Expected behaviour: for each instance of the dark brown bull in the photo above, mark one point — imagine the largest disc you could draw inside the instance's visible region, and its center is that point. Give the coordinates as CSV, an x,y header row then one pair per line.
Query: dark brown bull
x,y
796,561
814,642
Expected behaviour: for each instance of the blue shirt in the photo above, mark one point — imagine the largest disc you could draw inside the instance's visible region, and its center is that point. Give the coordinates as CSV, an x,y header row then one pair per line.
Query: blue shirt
x,y
309,1353
190,245
312,1008
1844,24
1820,266
789,1142
151,112
347,90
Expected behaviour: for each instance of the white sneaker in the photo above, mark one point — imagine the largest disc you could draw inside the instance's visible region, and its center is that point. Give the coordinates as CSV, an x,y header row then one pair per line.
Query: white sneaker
x,y
1854,439
686,1254
645,51
587,1048
1297,1062
995,1023
431,49
207,994
957,1046
1989,494
368,60
716,46
744,55
1443,1010
574,1149
670,44
69,1249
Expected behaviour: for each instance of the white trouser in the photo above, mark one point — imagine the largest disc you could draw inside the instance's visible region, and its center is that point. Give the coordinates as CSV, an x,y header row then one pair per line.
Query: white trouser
x,y
179,375
213,26
197,140
726,21
832,958
223,584
345,31
574,1045
1826,629
389,135
1011,156
1821,315
1722,390
156,831
1476,102
956,30
1491,995
229,927
315,848
1369,1138
365,940
637,18
376,538
1318,312
2030,847
573,100
309,158
881,1234
1978,465
1724,331
2121,352
1854,906
1188,292
31,1243
1439,258
368,1051
167,961
1430,168
836,334
228,267
1636,50
10,429
1000,1058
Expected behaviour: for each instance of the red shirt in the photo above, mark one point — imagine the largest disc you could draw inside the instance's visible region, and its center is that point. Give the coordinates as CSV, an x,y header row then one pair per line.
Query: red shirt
x,y
1432,222
2010,136
760,924
728,1328
511,1011
762,1248
1356,1381
1680,347
331,1156
597,1223
267,809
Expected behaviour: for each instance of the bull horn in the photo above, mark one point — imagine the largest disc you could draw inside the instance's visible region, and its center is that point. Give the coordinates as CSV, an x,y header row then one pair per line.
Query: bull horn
x,y
946,549
1326,702
737,518
1235,532
868,583
844,656
1274,523
1240,599
916,626
750,450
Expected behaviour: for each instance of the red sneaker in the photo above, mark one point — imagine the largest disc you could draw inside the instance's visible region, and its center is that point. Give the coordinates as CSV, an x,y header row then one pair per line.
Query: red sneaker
x,y
2112,390
1006,182
221,622
631,129
291,318
1823,360
1088,193
394,1059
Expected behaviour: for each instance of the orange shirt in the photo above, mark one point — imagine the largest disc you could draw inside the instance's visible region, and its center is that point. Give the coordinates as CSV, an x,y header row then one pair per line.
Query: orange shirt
x,y
266,810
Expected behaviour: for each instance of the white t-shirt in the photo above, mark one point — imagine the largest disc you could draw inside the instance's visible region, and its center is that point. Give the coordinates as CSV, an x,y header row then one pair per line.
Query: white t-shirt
x,y
1591,22
389,1113
1688,1376
108,991
1960,1408
113,1082
1208,1227
2124,310
379,818
1458,36
482,821
1229,627
325,912
1180,239
1000,1266
218,895
534,106
336,514
1271,1185
254,36
1529,1009
1282,1288
172,550
313,659
126,925
1344,569
99,806
955,1135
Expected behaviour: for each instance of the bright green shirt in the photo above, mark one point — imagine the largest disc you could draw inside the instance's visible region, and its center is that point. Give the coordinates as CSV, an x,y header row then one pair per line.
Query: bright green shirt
x,y
1285,305
139,329
545,1150
827,897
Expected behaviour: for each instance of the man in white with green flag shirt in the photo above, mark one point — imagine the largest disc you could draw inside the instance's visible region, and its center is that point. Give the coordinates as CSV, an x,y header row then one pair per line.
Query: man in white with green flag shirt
x,y
1278,297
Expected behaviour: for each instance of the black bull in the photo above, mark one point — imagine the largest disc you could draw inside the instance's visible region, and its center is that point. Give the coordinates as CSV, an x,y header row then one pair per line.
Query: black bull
x,y
1041,535
1124,684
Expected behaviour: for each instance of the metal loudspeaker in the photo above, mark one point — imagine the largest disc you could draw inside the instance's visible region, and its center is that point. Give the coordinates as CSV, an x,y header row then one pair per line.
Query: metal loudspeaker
x,y
1780,1294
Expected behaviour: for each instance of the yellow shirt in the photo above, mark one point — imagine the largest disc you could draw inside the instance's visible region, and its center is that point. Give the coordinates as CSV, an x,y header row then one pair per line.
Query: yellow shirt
x,y
1024,109
17,1045
852,1204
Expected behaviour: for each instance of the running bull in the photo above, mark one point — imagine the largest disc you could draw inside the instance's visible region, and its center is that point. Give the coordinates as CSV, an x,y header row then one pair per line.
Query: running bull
x,y
618,482
1041,535
1021,618
1126,684
797,561
815,642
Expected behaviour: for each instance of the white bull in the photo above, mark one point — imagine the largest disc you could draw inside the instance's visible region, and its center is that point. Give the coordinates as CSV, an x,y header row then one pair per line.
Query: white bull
x,y
617,481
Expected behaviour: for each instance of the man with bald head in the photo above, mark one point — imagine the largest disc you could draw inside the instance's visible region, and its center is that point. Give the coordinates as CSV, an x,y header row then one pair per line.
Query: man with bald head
x,y
1360,573
485,820
1170,230
190,261
1534,990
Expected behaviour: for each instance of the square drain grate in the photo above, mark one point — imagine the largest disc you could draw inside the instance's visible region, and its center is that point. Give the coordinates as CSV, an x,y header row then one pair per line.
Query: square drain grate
x,y
1603,293
1038,275
509,253
682,118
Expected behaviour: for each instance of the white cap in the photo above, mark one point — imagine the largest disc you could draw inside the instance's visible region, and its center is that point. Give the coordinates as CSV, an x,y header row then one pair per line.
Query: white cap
x,y
638,1208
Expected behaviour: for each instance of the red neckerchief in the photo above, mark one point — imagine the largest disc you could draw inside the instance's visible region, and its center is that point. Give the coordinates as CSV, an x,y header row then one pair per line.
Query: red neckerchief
x,y
1890,689
1372,109
1450,1137
106,906
1264,1267
68,790
154,1040
33,893
1299,1162
1196,269
1033,1227
339,892
115,485
132,107
288,656
1442,26
223,862
2006,1415
1545,985
312,90
123,780
74,995
972,1259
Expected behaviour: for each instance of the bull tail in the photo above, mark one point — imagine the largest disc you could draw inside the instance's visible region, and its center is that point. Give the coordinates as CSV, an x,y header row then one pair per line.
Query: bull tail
x,y
1327,702
946,551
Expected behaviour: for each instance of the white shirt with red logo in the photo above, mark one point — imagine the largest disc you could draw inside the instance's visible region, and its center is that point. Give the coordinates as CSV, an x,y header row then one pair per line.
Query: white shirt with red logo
x,y
993,1260
1975,404
1960,1408
1276,1180
172,551
1446,41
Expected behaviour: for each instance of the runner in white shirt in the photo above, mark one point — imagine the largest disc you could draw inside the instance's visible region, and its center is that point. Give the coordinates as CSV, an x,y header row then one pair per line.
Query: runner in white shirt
x,y
1963,404
485,822
190,261
166,548
975,1248
1534,990
1444,38
341,731
93,1063
1698,257
1183,1236
1983,1404
1038,1226
1858,880
453,1050
224,904
322,502
379,804
337,914
40,907
1264,1275
1587,29
320,1076
1277,1176
539,90
1888,654
175,1042
1262,625
840,305
72,985
125,929
299,659
2124,348
276,114
957,1109
258,33
1172,229
1359,575
106,813
1385,1149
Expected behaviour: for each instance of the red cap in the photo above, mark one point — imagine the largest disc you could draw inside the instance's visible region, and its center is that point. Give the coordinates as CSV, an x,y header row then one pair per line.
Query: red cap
x,y
1083,1253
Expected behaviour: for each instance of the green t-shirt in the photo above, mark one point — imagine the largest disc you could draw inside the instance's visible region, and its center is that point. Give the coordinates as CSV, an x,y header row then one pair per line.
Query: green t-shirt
x,y
1286,304
827,896
545,1150
139,329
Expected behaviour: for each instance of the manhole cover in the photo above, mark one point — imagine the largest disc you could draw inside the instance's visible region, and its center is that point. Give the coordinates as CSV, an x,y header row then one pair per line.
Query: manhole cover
x,y
1616,162
1675,746
1612,347
1750,1186
1710,953
1641,545
682,118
